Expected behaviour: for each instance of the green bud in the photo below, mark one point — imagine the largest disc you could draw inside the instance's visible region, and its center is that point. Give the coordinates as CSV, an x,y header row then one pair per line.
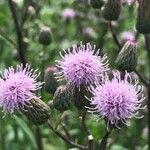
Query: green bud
x,y
111,10
97,4
51,83
31,11
143,18
36,111
62,99
127,58
79,99
45,37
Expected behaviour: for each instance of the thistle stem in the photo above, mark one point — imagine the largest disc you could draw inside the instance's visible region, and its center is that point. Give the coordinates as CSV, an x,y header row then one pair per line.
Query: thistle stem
x,y
42,69
142,78
38,138
20,42
114,36
89,135
104,141
5,36
66,139
58,120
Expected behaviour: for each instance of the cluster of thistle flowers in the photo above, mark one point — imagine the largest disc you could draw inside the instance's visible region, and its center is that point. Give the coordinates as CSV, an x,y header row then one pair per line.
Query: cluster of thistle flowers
x,y
115,99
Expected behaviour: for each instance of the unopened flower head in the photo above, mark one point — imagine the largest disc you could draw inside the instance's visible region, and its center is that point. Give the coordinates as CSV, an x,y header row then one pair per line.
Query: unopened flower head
x,y
68,13
17,87
128,36
80,65
117,100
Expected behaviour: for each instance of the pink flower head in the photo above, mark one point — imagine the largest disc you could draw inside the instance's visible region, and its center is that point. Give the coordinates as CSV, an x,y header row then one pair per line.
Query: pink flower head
x,y
117,100
17,87
80,65
129,2
88,31
128,36
68,13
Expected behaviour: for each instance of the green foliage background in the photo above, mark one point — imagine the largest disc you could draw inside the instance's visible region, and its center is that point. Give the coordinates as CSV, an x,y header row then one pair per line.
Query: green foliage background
x,y
16,133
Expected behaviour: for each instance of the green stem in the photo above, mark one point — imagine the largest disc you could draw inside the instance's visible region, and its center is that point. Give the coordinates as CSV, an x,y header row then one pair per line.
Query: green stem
x,y
58,121
42,69
103,143
66,139
89,135
39,138
5,36
114,36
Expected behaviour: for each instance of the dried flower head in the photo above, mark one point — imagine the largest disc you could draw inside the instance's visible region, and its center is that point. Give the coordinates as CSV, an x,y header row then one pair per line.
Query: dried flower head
x,y
17,87
117,100
80,65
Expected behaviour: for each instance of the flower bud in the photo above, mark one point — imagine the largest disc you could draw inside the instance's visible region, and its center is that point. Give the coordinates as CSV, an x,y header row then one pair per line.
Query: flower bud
x,y
97,4
51,83
36,111
127,58
79,97
31,11
45,36
62,98
143,18
111,10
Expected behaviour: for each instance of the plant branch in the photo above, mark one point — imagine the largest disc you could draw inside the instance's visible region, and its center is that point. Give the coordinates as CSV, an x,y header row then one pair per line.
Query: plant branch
x,y
5,36
66,139
89,135
67,132
25,12
38,138
20,43
142,78
104,141
147,44
114,35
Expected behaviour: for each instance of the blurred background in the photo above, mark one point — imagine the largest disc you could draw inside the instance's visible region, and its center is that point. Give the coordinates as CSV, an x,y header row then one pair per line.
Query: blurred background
x,y
70,22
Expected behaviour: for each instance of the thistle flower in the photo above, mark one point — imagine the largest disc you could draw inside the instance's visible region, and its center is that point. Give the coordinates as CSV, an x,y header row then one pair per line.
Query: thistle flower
x,y
127,57
117,100
17,87
68,13
129,2
128,36
80,65
89,32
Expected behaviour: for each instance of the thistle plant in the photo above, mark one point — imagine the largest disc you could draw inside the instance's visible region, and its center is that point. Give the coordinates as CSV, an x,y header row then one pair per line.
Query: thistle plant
x,y
87,96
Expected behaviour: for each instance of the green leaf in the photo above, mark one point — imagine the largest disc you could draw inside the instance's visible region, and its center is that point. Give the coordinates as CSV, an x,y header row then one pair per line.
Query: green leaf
x,y
26,130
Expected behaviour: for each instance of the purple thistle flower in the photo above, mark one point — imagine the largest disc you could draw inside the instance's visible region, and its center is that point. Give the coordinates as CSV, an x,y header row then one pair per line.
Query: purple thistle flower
x,y
117,100
80,65
17,87
68,13
128,36
89,32
129,2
